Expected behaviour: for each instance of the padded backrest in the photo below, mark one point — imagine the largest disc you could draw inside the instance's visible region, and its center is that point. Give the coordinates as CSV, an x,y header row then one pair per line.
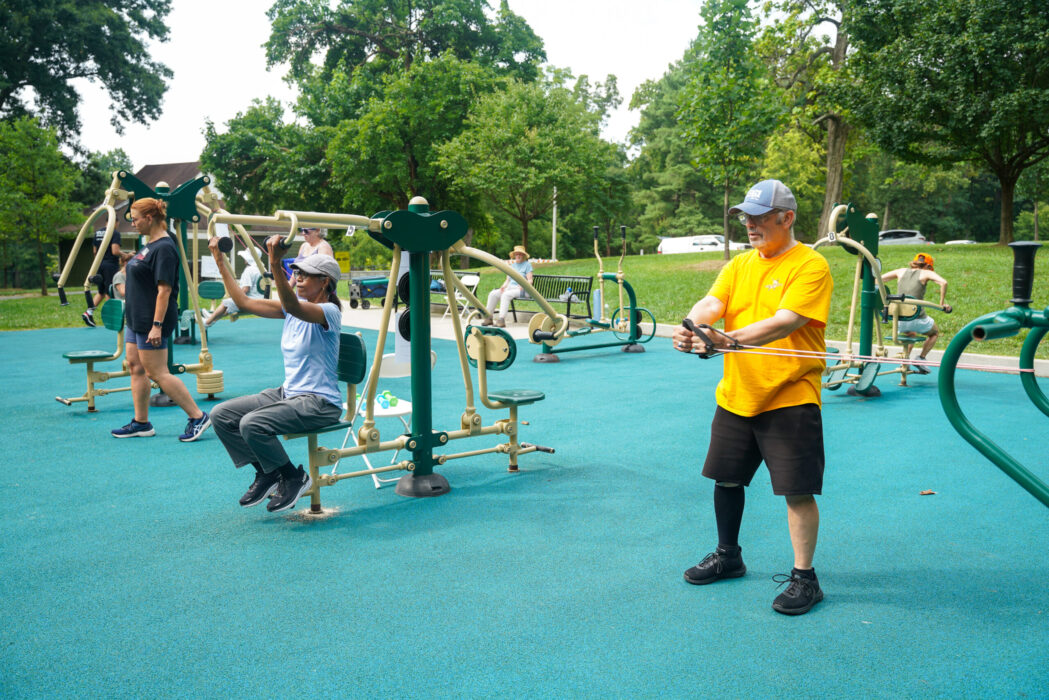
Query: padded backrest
x,y
353,360
113,314
211,289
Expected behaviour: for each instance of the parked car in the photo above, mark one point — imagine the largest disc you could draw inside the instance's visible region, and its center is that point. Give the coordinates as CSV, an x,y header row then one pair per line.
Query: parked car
x,y
698,244
963,241
899,236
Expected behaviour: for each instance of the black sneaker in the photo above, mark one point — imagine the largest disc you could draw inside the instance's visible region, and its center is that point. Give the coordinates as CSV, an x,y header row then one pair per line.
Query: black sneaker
x,y
88,319
800,596
134,429
261,488
195,428
717,565
289,491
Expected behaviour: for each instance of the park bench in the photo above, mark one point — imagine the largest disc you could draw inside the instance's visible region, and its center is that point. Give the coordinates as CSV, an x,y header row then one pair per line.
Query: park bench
x,y
560,289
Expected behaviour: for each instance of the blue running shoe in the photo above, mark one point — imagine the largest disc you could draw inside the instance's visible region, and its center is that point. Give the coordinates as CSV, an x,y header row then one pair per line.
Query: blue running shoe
x,y
195,428
134,429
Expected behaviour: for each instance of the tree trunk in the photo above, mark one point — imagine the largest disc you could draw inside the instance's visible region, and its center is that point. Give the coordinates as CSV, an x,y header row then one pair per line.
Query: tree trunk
x,y
837,134
1037,194
1036,219
41,266
524,233
885,219
1005,231
724,217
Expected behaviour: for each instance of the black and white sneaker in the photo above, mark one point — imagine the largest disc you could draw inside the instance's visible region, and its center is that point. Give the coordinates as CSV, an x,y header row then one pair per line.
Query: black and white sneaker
x,y
289,491
88,319
801,594
261,488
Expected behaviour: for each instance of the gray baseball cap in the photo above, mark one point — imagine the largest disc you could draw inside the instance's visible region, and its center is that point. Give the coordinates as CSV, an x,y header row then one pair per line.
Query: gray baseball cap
x,y
766,196
318,264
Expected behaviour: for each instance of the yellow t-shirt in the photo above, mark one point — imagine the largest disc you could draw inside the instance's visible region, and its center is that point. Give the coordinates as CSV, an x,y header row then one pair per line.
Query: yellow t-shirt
x,y
753,289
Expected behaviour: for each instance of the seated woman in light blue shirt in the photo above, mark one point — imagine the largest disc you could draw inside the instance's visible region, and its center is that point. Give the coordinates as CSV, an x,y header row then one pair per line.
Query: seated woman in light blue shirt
x,y
510,290
250,426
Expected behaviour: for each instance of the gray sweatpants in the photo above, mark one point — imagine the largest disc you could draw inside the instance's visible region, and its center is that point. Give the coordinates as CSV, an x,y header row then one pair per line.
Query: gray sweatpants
x,y
250,426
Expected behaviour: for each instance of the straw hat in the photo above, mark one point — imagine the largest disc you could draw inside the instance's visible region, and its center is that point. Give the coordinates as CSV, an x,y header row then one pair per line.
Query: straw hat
x,y
519,249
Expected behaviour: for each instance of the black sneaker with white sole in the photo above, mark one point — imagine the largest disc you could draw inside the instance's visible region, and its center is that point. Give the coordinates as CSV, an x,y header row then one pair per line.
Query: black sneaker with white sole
x,y
261,488
88,319
801,594
289,490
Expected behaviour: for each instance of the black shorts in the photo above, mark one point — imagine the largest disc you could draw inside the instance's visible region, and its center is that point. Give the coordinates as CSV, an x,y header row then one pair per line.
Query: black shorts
x,y
106,271
789,440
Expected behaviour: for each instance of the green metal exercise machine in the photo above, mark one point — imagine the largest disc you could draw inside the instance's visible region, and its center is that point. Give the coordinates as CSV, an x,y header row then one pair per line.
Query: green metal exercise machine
x,y
1002,324
624,323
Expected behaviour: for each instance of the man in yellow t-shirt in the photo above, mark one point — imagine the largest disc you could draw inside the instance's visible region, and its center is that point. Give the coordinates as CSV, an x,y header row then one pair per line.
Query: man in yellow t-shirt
x,y
768,407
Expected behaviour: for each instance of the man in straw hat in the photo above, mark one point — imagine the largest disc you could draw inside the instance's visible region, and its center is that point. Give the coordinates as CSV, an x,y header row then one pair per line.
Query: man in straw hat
x,y
510,289
912,282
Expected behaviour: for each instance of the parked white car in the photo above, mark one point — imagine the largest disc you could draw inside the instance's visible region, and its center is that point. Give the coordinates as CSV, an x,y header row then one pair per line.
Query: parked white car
x,y
697,244
899,236
964,241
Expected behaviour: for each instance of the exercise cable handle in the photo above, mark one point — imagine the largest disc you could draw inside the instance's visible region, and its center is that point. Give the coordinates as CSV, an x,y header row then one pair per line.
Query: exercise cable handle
x,y
1002,324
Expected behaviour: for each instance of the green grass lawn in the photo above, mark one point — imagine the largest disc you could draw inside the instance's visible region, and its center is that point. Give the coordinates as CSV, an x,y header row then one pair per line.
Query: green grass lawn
x,y
979,276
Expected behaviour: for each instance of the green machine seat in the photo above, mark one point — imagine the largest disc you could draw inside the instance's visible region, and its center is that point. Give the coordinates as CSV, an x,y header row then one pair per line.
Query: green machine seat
x,y
112,315
85,355
211,289
516,397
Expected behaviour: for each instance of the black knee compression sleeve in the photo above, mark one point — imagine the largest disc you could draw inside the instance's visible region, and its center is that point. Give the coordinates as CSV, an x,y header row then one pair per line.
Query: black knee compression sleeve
x,y
728,510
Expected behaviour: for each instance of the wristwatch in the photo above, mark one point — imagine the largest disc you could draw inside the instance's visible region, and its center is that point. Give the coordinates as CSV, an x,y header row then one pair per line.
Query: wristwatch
x,y
158,324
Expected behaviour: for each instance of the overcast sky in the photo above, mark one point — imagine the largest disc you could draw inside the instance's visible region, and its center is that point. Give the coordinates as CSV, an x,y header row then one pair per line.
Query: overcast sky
x,y
216,53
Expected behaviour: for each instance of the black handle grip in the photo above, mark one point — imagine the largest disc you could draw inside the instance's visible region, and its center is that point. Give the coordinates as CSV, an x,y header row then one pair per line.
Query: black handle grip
x,y
595,233
62,297
225,244
622,231
94,279
539,336
1023,271
283,243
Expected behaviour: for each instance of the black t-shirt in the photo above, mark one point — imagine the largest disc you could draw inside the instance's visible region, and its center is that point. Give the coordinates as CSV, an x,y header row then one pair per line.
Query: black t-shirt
x,y
108,258
155,262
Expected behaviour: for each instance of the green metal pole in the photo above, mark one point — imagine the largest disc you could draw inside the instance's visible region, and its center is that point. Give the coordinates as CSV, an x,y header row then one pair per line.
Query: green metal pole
x,y
422,414
984,445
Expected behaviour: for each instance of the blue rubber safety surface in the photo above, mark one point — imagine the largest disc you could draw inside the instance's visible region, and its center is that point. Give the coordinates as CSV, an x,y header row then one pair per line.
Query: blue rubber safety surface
x,y
129,570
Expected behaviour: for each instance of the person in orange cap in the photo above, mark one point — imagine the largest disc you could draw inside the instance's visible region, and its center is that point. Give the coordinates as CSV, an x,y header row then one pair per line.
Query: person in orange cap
x,y
912,282
510,289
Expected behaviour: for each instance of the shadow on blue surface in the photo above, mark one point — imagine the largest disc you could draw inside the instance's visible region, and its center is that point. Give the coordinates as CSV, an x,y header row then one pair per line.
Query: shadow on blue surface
x,y
129,569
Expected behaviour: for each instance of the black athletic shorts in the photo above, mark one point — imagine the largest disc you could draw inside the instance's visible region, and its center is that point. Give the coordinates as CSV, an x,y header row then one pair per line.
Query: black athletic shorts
x,y
106,271
789,440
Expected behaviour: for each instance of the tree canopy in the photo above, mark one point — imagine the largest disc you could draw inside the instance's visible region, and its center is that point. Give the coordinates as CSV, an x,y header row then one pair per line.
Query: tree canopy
x,y
35,187
520,143
727,108
955,81
45,45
